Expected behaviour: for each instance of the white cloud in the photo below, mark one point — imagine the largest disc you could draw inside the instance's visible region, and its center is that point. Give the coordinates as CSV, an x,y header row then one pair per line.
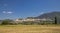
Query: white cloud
x,y
42,13
7,12
4,12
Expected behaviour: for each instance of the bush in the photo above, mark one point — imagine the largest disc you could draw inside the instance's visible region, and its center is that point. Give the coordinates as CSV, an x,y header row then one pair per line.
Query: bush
x,y
6,22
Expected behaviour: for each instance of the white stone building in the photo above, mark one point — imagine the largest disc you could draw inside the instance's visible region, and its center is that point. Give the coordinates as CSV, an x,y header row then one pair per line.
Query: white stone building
x,y
21,20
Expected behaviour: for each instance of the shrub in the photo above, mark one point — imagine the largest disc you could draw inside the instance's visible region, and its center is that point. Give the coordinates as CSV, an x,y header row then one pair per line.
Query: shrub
x,y
6,22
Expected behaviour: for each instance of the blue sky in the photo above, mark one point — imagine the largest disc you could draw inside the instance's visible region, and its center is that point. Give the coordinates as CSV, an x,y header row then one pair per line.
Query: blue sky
x,y
27,8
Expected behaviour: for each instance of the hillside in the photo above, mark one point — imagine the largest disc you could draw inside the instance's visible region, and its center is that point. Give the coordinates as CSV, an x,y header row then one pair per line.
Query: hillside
x,y
50,15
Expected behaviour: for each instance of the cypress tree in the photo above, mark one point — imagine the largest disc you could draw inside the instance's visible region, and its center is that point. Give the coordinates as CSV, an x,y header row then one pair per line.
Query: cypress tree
x,y
55,20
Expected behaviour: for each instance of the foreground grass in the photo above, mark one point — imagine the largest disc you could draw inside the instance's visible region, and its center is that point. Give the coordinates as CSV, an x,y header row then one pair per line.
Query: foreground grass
x,y
30,29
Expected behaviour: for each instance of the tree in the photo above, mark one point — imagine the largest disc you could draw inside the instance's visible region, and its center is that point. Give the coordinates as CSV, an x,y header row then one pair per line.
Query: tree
x,y
55,20
6,21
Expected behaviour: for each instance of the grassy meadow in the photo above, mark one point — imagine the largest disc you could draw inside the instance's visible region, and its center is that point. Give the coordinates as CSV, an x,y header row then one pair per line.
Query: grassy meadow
x,y
29,28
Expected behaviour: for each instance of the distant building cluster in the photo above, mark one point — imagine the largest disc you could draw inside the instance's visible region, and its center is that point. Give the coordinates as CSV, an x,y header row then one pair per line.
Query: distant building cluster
x,y
33,19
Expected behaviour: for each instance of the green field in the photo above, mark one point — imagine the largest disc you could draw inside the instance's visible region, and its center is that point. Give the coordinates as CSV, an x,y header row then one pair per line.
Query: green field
x,y
30,29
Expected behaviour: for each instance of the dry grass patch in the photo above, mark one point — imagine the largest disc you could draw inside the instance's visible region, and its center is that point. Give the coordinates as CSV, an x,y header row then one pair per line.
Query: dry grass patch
x,y
30,29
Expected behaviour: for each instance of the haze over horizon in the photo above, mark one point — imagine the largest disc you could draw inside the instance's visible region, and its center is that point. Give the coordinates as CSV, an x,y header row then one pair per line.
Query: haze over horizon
x,y
12,9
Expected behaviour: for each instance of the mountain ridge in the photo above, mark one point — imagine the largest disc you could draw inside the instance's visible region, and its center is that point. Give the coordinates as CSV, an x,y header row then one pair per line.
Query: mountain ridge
x,y
50,15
